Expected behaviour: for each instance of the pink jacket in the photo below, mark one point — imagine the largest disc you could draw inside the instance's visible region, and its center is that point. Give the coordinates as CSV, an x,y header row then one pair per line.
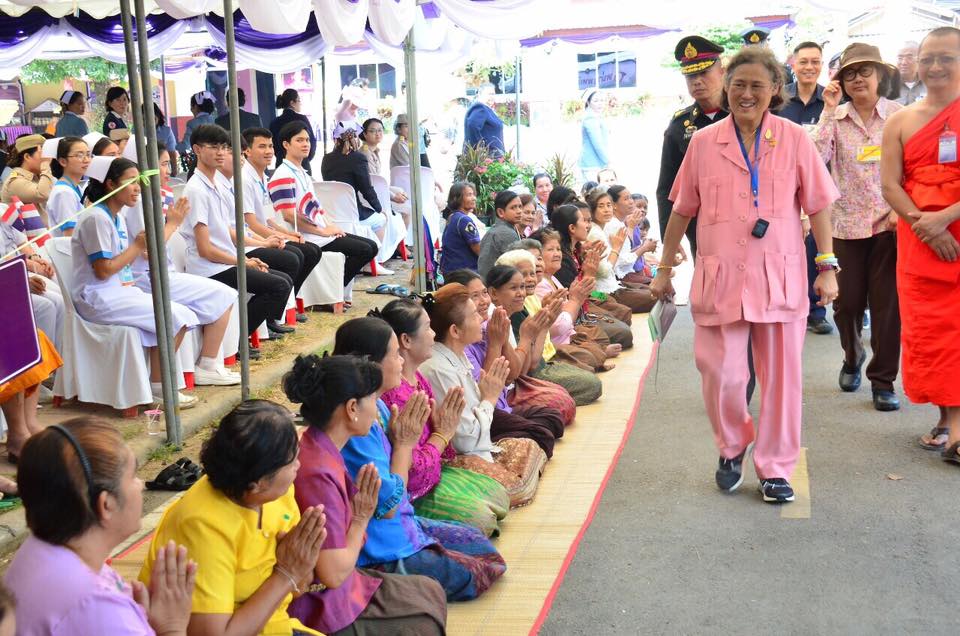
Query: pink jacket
x,y
738,276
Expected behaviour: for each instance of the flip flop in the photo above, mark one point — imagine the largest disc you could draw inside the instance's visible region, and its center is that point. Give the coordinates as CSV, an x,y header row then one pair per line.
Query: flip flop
x,y
951,454
936,432
174,477
388,289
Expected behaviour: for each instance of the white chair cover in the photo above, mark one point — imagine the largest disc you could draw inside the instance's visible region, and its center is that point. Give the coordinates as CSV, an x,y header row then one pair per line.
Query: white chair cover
x,y
90,348
339,203
395,230
400,177
324,285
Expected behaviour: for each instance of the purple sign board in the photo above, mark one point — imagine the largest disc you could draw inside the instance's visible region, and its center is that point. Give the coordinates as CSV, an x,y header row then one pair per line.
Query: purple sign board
x,y
19,347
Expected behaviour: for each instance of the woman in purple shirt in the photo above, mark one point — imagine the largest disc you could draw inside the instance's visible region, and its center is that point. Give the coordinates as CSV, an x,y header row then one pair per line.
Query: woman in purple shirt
x,y
345,598
79,485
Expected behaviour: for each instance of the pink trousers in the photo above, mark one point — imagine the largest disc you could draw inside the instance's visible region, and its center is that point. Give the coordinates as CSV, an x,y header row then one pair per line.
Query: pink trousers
x,y
721,354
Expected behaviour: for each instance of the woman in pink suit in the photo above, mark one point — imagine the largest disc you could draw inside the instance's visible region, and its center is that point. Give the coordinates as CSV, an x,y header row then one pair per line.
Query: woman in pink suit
x,y
747,179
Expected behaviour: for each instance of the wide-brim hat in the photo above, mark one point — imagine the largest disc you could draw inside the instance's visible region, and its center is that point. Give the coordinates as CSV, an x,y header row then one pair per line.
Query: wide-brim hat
x,y
402,120
860,53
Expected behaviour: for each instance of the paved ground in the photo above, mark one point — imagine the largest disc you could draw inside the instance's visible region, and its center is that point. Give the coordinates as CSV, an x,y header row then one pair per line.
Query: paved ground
x,y
668,554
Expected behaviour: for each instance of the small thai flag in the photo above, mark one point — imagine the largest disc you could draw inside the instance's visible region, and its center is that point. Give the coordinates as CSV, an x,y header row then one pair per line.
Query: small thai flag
x,y
10,215
33,223
166,198
310,208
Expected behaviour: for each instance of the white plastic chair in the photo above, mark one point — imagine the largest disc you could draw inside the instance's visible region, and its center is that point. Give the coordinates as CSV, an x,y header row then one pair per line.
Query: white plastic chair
x,y
395,231
339,203
400,178
90,348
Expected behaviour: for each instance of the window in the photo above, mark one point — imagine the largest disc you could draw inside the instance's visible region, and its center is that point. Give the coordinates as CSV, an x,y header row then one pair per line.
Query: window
x,y
611,69
381,78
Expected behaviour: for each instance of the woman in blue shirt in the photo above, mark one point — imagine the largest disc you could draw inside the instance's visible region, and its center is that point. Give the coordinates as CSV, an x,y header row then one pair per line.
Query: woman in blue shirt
x,y
72,105
461,236
201,105
593,153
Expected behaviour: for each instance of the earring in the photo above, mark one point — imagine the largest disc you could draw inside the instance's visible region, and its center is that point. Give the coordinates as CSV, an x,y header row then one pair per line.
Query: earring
x,y
354,418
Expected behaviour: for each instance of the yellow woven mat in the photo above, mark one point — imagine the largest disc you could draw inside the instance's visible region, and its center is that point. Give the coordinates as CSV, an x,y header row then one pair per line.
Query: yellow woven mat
x,y
536,539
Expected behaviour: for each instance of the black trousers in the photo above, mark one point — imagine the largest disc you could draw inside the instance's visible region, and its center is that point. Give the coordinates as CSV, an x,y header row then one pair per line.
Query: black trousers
x,y
296,260
358,251
868,278
269,290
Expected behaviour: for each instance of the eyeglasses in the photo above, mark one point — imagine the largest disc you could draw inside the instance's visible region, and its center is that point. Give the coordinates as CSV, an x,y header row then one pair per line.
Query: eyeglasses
x,y
216,147
755,87
863,71
942,60
80,155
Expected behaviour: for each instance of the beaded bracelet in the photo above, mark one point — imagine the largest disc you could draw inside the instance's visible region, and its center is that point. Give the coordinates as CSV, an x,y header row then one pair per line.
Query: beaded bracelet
x,y
830,263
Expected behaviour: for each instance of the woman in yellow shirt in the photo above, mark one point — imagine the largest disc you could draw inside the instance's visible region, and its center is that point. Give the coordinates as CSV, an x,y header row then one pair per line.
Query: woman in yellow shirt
x,y
240,521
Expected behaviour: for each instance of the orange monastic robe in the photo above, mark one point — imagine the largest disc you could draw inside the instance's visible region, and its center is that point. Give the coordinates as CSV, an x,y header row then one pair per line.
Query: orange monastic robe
x,y
929,288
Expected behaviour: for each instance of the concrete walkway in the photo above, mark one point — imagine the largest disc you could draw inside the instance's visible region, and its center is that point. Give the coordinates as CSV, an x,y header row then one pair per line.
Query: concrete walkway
x,y
669,554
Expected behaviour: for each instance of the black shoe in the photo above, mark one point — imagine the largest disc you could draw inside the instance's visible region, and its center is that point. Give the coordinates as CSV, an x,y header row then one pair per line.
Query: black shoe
x,y
885,400
301,317
730,471
254,354
776,490
819,326
850,376
275,326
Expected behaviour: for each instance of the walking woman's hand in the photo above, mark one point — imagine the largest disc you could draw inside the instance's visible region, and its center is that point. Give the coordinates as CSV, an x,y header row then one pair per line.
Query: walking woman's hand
x,y
169,598
364,501
826,287
298,550
662,286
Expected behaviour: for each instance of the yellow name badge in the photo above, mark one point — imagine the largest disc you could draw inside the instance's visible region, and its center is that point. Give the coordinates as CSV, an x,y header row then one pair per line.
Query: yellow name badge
x,y
868,154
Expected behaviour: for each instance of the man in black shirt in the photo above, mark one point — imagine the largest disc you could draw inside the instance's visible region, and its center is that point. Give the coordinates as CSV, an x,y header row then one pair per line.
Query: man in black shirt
x,y
699,62
803,107
247,119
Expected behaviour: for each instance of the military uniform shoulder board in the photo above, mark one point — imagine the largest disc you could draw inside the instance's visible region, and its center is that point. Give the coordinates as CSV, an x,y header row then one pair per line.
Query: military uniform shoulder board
x,y
682,112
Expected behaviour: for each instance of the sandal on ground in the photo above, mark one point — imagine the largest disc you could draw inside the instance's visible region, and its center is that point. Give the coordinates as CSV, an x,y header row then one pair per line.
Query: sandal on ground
x,y
935,434
174,477
390,290
189,466
952,454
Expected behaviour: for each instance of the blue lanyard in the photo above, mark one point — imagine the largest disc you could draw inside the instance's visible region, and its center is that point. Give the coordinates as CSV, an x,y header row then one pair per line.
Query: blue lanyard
x,y
754,168
298,175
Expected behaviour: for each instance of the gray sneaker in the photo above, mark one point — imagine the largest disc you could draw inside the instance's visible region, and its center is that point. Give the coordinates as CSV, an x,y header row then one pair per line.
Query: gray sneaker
x,y
776,490
729,474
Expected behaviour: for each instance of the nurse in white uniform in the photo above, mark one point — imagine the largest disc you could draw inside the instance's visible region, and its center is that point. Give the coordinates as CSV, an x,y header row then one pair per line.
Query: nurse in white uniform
x,y
210,300
104,289
69,165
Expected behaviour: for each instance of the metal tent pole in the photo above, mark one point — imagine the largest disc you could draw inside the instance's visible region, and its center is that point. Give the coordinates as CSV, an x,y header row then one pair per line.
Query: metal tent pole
x,y
151,204
163,80
410,69
237,197
516,88
323,101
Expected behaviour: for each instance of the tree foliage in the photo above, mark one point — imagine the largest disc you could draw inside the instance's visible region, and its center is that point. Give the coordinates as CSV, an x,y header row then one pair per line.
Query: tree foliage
x,y
91,69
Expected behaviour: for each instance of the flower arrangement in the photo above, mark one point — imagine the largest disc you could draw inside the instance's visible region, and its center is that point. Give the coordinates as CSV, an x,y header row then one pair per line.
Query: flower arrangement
x,y
491,173
507,112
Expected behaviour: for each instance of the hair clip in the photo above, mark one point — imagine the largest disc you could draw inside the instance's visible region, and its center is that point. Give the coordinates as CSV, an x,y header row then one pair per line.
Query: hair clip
x,y
427,300
375,313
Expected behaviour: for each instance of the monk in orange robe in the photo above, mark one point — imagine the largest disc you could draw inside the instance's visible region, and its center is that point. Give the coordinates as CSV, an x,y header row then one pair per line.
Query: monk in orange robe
x,y
920,173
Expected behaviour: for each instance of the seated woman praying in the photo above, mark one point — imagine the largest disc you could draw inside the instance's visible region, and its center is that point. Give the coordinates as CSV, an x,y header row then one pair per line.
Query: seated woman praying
x,y
591,359
339,401
581,386
437,489
514,462
79,485
253,547
459,557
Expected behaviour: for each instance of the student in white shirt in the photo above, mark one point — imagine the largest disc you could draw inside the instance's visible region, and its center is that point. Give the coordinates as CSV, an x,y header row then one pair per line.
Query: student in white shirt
x,y
269,250
209,300
210,250
66,197
291,191
258,210
103,252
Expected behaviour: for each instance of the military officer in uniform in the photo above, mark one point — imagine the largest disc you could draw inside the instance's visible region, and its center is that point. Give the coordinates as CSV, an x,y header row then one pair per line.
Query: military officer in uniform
x,y
699,63
757,36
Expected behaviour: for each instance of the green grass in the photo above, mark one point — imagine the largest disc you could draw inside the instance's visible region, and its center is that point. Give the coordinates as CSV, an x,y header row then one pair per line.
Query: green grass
x,y
163,453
